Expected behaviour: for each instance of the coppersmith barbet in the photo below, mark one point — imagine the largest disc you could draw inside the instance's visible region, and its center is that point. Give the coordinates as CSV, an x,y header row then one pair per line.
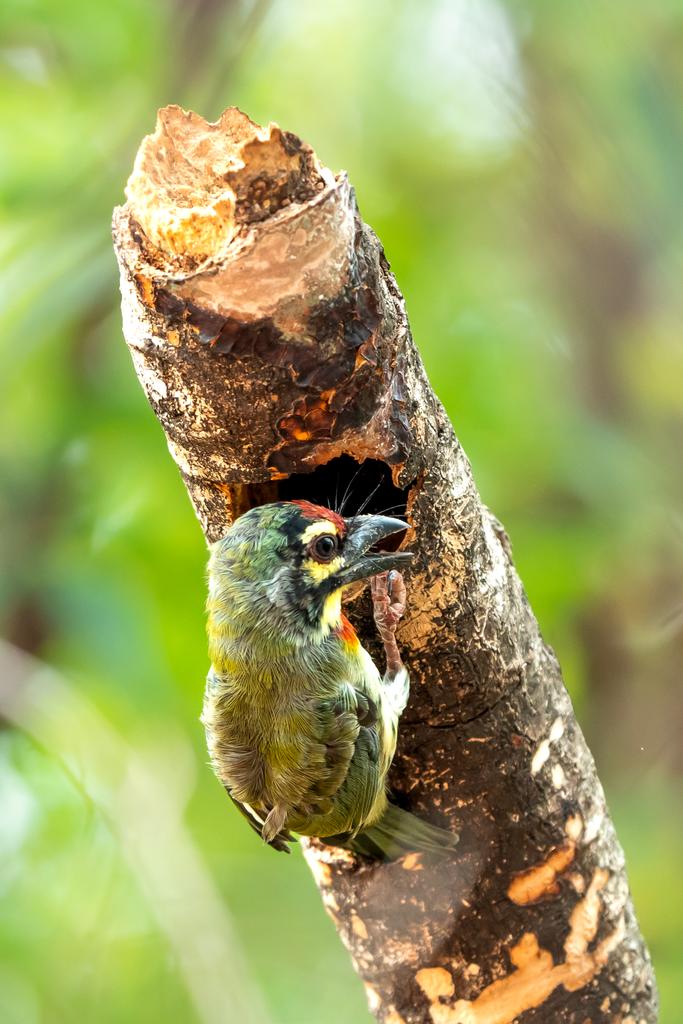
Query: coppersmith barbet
x,y
301,727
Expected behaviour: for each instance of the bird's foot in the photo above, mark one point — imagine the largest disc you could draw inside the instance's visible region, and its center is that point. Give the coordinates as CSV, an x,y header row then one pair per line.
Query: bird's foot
x,y
388,600
389,603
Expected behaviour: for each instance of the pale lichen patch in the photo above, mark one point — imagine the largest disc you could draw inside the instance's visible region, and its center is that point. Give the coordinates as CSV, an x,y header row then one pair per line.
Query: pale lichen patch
x,y
400,952
330,901
585,916
541,755
154,385
593,826
556,730
577,883
373,997
321,871
573,826
542,752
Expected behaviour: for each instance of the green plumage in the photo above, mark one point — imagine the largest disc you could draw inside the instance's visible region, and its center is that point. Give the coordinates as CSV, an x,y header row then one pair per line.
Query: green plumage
x,y
301,728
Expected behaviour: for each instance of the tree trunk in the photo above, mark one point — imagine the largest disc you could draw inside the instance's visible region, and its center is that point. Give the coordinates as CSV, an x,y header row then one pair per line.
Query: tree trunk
x,y
272,342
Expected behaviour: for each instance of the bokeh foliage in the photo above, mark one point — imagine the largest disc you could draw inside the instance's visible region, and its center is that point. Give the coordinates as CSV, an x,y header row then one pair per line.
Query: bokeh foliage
x,y
522,163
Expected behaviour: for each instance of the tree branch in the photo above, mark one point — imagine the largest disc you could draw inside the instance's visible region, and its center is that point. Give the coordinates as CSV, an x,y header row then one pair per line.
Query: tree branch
x,y
272,342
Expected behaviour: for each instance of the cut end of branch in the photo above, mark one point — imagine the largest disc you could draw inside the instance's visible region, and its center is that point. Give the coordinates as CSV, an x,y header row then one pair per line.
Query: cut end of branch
x,y
195,183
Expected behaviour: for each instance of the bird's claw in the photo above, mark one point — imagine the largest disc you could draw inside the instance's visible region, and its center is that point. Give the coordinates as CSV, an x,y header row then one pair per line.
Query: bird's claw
x,y
389,603
388,592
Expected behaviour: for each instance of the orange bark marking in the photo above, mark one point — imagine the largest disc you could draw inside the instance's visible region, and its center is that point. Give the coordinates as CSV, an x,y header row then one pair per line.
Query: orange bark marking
x,y
146,289
541,880
435,982
394,1017
412,862
299,434
360,360
322,872
536,976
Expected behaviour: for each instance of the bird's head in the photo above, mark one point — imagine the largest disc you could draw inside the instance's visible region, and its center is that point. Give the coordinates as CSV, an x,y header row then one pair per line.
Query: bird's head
x,y
281,568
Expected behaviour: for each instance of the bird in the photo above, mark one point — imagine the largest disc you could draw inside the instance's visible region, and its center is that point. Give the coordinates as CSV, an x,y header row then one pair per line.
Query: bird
x,y
301,727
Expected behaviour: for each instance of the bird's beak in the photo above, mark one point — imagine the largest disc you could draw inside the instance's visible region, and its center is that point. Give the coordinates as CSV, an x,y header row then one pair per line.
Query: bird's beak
x,y
361,562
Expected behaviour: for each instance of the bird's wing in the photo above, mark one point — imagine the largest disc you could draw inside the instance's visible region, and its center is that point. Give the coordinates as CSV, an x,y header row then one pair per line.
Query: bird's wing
x,y
344,790
364,781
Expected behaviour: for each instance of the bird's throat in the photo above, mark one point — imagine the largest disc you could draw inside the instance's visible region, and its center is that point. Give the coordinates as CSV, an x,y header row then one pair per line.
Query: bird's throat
x,y
331,616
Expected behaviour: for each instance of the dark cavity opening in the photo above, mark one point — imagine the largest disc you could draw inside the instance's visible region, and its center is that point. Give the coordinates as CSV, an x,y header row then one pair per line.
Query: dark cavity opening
x,y
348,487
342,484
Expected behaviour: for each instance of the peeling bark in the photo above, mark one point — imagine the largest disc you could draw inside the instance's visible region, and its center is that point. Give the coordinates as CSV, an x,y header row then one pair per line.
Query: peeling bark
x,y
272,342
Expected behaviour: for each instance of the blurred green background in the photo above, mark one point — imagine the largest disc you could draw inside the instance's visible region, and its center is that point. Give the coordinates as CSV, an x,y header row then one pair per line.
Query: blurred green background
x,y
522,163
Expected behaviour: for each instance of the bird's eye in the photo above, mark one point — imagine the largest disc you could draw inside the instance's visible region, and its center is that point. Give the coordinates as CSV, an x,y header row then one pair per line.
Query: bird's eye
x,y
325,547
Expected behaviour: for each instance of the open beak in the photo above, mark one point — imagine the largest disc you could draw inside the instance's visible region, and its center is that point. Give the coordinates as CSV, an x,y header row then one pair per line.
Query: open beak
x,y
364,533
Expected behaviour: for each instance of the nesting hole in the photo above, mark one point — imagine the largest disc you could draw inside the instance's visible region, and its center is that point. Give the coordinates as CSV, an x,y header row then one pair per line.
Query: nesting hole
x,y
342,484
348,487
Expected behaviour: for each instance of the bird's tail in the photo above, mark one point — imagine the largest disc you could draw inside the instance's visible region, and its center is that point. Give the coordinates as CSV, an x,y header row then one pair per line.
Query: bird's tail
x,y
396,833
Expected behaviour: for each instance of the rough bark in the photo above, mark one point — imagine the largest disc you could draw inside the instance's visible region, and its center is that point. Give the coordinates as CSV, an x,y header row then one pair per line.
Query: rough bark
x,y
272,342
